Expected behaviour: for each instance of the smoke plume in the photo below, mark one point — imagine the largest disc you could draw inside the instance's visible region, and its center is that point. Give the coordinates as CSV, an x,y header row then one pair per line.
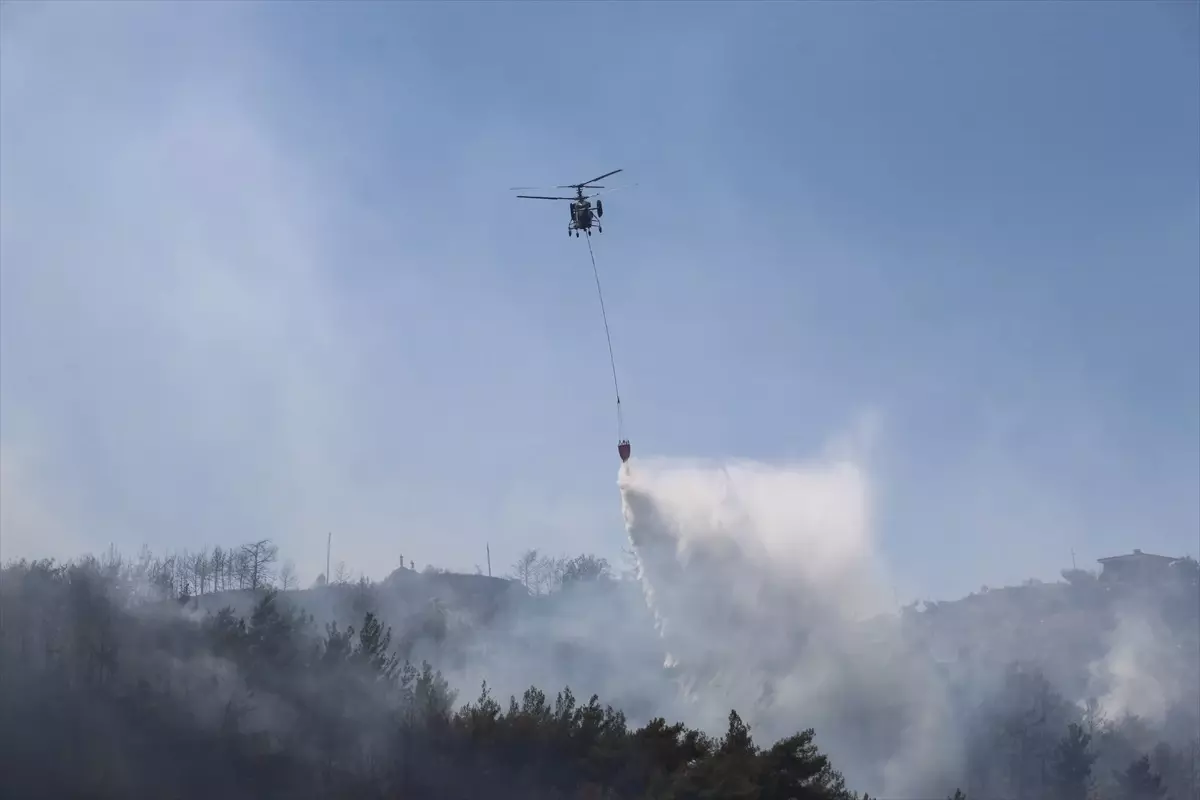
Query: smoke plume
x,y
768,596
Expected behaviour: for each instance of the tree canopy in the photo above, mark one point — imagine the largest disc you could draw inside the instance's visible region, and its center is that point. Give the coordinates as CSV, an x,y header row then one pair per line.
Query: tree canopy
x,y
111,666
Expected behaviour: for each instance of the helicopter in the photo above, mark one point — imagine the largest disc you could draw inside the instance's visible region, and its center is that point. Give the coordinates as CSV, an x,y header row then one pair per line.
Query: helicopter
x,y
583,216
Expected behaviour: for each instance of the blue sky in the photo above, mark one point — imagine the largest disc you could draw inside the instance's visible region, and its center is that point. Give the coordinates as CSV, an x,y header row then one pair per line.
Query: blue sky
x,y
260,273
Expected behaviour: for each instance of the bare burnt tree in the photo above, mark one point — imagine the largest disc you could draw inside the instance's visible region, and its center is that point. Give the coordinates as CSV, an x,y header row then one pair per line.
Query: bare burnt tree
x,y
162,571
217,567
259,557
201,570
548,573
524,569
287,576
234,574
240,568
183,573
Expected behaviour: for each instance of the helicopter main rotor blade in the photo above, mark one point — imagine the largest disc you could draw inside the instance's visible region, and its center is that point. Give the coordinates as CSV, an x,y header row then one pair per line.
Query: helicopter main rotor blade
x,y
611,190
602,177
587,184
542,197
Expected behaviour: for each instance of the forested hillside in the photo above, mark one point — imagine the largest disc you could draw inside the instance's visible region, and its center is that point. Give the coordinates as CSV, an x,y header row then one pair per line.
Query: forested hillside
x,y
190,676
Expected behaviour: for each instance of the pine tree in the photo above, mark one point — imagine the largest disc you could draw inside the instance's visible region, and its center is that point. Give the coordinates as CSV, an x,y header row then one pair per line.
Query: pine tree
x,y
1073,759
1140,782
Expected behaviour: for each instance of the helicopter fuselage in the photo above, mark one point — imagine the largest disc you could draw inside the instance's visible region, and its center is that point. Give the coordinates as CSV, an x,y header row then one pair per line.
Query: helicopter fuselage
x,y
581,214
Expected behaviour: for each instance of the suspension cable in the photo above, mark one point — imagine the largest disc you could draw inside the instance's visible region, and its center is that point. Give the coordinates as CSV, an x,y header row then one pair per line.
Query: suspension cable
x,y
608,336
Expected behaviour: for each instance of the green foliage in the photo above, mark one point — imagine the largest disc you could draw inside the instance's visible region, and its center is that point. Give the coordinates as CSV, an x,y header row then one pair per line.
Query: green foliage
x,y
110,665
1073,764
589,748
1140,782
263,706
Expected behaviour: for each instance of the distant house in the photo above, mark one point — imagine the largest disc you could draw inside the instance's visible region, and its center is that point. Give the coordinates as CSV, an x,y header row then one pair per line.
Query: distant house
x,y
1136,566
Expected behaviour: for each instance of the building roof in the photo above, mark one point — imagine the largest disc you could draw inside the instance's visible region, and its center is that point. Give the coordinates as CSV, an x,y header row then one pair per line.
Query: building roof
x,y
1136,555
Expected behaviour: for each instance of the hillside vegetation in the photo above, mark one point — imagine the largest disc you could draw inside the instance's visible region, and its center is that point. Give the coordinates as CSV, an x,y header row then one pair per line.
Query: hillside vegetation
x,y
192,676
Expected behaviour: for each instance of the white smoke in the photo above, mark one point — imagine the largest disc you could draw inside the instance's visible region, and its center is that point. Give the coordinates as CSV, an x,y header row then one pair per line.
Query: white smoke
x,y
1146,671
768,594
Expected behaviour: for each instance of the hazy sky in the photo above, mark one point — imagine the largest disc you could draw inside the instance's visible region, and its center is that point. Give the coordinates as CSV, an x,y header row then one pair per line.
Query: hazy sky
x,y
260,274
